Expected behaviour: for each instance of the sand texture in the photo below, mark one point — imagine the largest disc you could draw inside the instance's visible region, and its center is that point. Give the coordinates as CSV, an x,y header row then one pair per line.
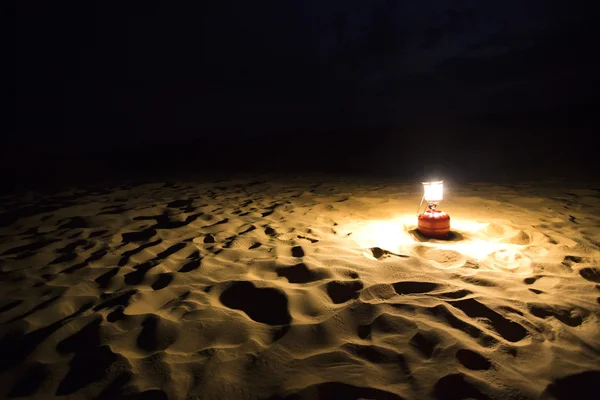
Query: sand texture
x,y
299,289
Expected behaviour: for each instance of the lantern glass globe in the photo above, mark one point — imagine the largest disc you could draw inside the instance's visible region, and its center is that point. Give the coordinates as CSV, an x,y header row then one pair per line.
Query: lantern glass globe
x,y
434,191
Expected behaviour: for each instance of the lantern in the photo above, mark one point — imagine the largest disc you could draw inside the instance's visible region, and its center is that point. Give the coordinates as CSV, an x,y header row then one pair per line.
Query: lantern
x,y
433,222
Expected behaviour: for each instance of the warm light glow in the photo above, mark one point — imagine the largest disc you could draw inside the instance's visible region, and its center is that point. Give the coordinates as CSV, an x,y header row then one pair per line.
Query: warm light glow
x,y
434,191
391,234
394,235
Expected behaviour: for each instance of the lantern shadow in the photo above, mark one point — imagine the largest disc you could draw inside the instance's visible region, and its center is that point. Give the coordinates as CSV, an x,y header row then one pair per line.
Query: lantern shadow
x,y
453,236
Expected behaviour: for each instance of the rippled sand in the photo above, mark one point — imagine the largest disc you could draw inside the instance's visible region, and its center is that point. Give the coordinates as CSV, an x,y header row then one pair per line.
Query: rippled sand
x,y
294,289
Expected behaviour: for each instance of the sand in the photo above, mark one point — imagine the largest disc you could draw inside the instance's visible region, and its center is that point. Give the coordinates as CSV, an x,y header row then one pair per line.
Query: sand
x,y
300,288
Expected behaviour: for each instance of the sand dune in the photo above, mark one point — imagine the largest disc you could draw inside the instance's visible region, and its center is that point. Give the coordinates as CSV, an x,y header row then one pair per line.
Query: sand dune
x,y
294,289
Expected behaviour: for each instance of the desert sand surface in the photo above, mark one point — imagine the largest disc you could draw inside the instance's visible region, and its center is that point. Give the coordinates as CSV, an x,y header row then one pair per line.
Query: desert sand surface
x,y
298,288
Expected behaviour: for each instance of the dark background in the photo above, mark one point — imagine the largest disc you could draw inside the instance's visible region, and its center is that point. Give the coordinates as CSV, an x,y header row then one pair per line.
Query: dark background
x,y
467,89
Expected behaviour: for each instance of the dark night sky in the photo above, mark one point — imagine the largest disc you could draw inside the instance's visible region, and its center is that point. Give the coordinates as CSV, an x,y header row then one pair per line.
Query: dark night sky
x,y
119,73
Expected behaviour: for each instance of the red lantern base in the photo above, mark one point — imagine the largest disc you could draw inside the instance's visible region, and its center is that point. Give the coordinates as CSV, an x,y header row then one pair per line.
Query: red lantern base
x,y
434,224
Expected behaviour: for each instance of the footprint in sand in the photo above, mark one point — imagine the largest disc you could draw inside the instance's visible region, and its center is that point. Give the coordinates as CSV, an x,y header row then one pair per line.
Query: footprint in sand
x,y
126,255
472,360
445,314
121,299
509,330
377,253
162,281
567,317
139,236
192,262
569,261
425,343
297,251
265,305
520,237
137,277
341,292
408,287
441,258
508,260
591,274
209,238
157,334
104,279
578,386
300,273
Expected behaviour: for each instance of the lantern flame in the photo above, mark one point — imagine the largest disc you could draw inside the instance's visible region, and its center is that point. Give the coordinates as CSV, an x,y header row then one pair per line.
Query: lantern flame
x,y
434,191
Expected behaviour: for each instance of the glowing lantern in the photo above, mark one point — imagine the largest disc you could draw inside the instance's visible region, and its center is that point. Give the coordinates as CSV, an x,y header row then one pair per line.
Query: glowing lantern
x,y
432,222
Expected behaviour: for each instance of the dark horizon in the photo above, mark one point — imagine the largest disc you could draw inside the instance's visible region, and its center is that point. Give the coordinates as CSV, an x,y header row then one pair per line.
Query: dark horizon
x,y
280,81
